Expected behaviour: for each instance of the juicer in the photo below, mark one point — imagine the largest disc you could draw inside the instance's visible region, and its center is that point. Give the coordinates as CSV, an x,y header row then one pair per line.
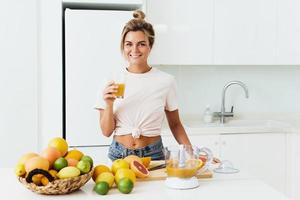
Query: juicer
x,y
183,163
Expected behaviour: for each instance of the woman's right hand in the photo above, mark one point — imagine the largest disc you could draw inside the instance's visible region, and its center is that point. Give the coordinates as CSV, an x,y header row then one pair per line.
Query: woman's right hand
x,y
109,93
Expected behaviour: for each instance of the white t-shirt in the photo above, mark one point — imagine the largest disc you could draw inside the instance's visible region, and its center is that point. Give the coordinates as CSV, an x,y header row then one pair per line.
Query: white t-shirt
x,y
146,97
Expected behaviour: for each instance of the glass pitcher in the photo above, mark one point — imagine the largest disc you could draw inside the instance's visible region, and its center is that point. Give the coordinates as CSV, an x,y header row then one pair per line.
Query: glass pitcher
x,y
185,161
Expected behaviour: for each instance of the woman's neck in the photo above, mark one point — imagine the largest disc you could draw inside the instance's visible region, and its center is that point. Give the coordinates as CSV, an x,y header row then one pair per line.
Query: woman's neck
x,y
139,69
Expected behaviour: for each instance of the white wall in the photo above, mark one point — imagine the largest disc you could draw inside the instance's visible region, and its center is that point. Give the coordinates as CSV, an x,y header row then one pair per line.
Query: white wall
x,y
18,79
271,88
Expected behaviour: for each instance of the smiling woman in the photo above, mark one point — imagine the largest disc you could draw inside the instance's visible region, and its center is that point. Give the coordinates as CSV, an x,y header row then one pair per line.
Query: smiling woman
x,y
135,121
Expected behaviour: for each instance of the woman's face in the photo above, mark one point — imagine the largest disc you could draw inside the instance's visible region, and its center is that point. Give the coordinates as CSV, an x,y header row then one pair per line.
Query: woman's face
x,y
136,48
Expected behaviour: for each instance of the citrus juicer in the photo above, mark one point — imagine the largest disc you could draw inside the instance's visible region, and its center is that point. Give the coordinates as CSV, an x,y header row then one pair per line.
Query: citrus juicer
x,y
182,165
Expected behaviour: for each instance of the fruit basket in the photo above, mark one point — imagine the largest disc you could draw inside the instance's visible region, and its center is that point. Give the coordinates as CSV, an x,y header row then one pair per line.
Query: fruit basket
x,y
59,186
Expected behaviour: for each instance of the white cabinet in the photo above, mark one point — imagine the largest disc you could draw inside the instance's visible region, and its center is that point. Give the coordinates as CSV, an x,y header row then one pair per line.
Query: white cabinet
x,y
261,155
288,32
294,166
244,32
225,32
183,31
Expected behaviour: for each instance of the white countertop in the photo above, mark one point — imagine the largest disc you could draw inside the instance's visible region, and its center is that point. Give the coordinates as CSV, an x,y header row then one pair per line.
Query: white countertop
x,y
234,187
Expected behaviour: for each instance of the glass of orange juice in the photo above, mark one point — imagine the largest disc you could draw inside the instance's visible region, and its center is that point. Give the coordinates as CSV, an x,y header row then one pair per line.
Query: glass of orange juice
x,y
120,82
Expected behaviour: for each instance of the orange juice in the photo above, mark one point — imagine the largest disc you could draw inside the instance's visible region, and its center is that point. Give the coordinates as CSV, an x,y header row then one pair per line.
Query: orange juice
x,y
181,172
121,90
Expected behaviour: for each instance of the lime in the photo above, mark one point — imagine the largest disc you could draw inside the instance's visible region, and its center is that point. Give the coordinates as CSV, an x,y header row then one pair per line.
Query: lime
x,y
101,188
87,158
84,166
125,185
60,163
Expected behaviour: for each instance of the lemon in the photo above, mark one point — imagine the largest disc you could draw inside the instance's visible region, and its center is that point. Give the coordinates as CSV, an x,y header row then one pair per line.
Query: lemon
x,y
125,185
106,177
60,144
74,154
68,172
20,170
119,164
99,169
125,173
101,188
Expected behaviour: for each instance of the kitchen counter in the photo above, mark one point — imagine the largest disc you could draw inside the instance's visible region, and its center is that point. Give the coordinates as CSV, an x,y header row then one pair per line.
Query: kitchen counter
x,y
241,123
234,186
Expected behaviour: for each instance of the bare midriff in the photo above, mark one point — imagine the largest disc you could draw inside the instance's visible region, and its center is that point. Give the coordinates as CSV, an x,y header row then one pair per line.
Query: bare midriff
x,y
134,143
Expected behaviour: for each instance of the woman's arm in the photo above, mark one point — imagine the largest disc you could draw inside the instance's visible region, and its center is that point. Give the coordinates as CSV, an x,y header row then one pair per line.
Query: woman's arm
x,y
107,121
177,128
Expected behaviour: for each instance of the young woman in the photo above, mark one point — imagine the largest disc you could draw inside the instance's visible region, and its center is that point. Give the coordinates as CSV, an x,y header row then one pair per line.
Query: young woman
x,y
136,120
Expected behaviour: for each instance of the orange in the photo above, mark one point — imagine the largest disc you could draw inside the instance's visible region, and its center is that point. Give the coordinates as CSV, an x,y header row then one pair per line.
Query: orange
x,y
119,164
60,144
146,161
100,169
198,163
74,154
125,173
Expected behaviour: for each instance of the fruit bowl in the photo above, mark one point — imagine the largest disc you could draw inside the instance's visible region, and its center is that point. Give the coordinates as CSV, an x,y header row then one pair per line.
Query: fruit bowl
x,y
59,186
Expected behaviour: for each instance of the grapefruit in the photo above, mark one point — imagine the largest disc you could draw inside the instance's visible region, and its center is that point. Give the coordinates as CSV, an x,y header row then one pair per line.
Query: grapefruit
x,y
139,169
131,158
36,162
26,157
51,154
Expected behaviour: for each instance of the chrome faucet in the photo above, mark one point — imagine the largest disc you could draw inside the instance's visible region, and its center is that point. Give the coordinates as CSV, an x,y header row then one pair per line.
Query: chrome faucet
x,y
224,114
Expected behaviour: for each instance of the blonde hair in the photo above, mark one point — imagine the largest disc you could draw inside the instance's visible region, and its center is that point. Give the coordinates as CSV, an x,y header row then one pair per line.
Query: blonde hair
x,y
138,24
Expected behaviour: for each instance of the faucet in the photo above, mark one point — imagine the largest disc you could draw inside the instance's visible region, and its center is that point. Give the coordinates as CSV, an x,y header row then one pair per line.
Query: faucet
x,y
224,114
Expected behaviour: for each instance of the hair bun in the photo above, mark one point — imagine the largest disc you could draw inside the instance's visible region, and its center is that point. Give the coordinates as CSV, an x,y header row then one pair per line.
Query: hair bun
x,y
138,14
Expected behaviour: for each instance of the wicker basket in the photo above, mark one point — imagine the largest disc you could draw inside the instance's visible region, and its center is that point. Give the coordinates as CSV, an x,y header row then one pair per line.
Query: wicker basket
x,y
59,186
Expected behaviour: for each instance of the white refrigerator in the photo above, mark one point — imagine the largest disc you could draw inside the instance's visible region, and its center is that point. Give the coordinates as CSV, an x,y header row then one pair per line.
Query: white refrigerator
x,y
92,54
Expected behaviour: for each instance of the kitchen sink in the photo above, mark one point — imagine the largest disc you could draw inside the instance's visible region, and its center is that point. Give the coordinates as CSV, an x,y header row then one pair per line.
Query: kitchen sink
x,y
238,126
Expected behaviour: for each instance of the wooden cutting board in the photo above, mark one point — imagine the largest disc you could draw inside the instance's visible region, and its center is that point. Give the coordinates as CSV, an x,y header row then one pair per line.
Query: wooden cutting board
x,y
161,174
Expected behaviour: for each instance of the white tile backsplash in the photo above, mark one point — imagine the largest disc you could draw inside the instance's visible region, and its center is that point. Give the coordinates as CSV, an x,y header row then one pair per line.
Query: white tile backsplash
x,y
271,88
